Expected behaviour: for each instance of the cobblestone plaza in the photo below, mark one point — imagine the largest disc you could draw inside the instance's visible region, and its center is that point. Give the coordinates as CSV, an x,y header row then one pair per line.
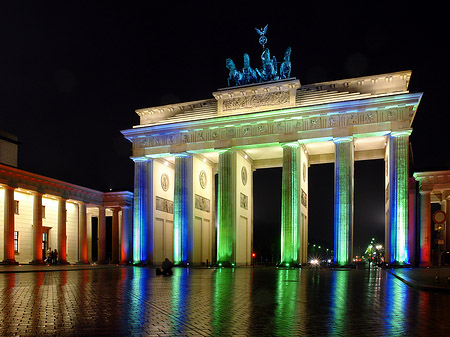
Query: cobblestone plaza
x,y
134,301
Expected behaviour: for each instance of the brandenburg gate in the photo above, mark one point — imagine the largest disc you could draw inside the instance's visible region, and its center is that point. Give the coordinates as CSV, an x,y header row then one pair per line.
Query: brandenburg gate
x,y
178,149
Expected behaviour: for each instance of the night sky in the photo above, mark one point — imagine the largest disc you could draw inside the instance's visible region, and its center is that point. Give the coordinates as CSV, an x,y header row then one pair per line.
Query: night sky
x,y
72,73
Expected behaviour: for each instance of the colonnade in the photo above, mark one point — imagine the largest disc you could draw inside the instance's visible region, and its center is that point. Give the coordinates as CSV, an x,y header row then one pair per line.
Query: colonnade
x,y
294,219
120,240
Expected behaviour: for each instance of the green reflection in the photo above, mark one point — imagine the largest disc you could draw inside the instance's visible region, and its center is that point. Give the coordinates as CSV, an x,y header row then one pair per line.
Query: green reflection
x,y
339,302
286,314
223,309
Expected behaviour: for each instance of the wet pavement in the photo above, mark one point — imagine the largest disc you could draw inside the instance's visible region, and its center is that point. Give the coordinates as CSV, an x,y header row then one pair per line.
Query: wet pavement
x,y
123,301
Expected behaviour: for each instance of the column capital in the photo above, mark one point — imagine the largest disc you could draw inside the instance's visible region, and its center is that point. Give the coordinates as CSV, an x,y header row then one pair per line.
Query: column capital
x,y
401,133
425,192
290,144
140,159
343,139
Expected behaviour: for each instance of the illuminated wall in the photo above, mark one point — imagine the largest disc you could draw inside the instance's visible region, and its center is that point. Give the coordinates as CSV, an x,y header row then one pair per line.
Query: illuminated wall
x,y
397,224
343,200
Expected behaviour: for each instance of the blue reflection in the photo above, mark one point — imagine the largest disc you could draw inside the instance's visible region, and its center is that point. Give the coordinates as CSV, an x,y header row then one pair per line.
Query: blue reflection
x,y
396,304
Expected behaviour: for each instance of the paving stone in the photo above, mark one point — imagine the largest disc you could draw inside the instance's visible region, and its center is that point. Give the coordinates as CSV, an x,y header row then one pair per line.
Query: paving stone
x,y
133,301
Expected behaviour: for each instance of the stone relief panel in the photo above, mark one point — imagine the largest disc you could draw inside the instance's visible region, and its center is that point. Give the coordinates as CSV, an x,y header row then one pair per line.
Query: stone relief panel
x,y
256,101
164,205
244,201
304,199
202,204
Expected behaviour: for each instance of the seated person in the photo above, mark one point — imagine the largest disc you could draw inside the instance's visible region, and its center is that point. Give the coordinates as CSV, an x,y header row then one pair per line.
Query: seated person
x,y
166,267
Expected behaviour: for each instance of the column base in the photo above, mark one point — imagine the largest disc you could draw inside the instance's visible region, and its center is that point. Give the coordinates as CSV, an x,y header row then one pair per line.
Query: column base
x,y
9,262
37,262
83,262
425,264
63,262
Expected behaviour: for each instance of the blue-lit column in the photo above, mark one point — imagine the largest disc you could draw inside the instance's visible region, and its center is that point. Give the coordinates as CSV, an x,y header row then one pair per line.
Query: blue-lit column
x,y
142,194
343,200
398,198
290,204
182,217
226,203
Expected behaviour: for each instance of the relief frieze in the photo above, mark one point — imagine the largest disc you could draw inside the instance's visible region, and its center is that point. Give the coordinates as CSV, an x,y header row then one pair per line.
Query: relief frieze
x,y
256,101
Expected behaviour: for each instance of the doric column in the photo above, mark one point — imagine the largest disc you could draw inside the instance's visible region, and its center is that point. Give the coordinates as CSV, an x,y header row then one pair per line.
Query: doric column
x,y
447,221
115,236
37,228
101,234
425,228
82,233
8,227
142,203
398,198
62,236
343,200
125,236
182,217
290,203
226,203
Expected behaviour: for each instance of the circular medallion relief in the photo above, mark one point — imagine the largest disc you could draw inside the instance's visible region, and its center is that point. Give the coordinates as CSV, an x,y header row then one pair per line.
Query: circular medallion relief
x,y
244,175
202,179
165,182
304,172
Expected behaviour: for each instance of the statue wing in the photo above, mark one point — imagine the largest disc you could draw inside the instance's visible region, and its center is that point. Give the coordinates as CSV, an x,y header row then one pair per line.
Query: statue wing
x,y
259,32
265,30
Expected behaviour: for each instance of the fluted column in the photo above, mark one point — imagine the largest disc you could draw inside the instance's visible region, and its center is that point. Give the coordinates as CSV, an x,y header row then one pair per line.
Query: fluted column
x,y
343,200
37,229
82,233
125,236
398,198
115,236
8,227
290,203
101,234
182,218
226,203
62,236
425,228
142,205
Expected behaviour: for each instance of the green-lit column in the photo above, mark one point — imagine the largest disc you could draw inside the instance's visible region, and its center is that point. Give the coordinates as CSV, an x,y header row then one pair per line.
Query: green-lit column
x,y
290,203
398,197
343,200
182,217
226,203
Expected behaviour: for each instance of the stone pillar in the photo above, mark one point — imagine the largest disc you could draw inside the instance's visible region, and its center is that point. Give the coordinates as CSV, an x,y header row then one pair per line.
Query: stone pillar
x,y
425,228
101,235
8,227
62,236
226,203
447,221
82,233
343,200
37,229
182,217
142,204
398,251
125,236
290,204
115,236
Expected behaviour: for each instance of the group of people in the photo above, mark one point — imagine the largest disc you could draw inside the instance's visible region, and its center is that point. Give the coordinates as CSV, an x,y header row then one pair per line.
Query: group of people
x,y
51,256
166,268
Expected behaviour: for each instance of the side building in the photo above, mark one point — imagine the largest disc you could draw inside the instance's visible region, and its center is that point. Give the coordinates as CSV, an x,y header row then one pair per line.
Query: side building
x,y
39,213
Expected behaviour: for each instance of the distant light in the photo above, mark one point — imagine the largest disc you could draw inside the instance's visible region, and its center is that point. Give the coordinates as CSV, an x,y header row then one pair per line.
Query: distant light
x,y
232,264
315,262
287,264
253,255
379,247
187,263
329,261
110,189
220,264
